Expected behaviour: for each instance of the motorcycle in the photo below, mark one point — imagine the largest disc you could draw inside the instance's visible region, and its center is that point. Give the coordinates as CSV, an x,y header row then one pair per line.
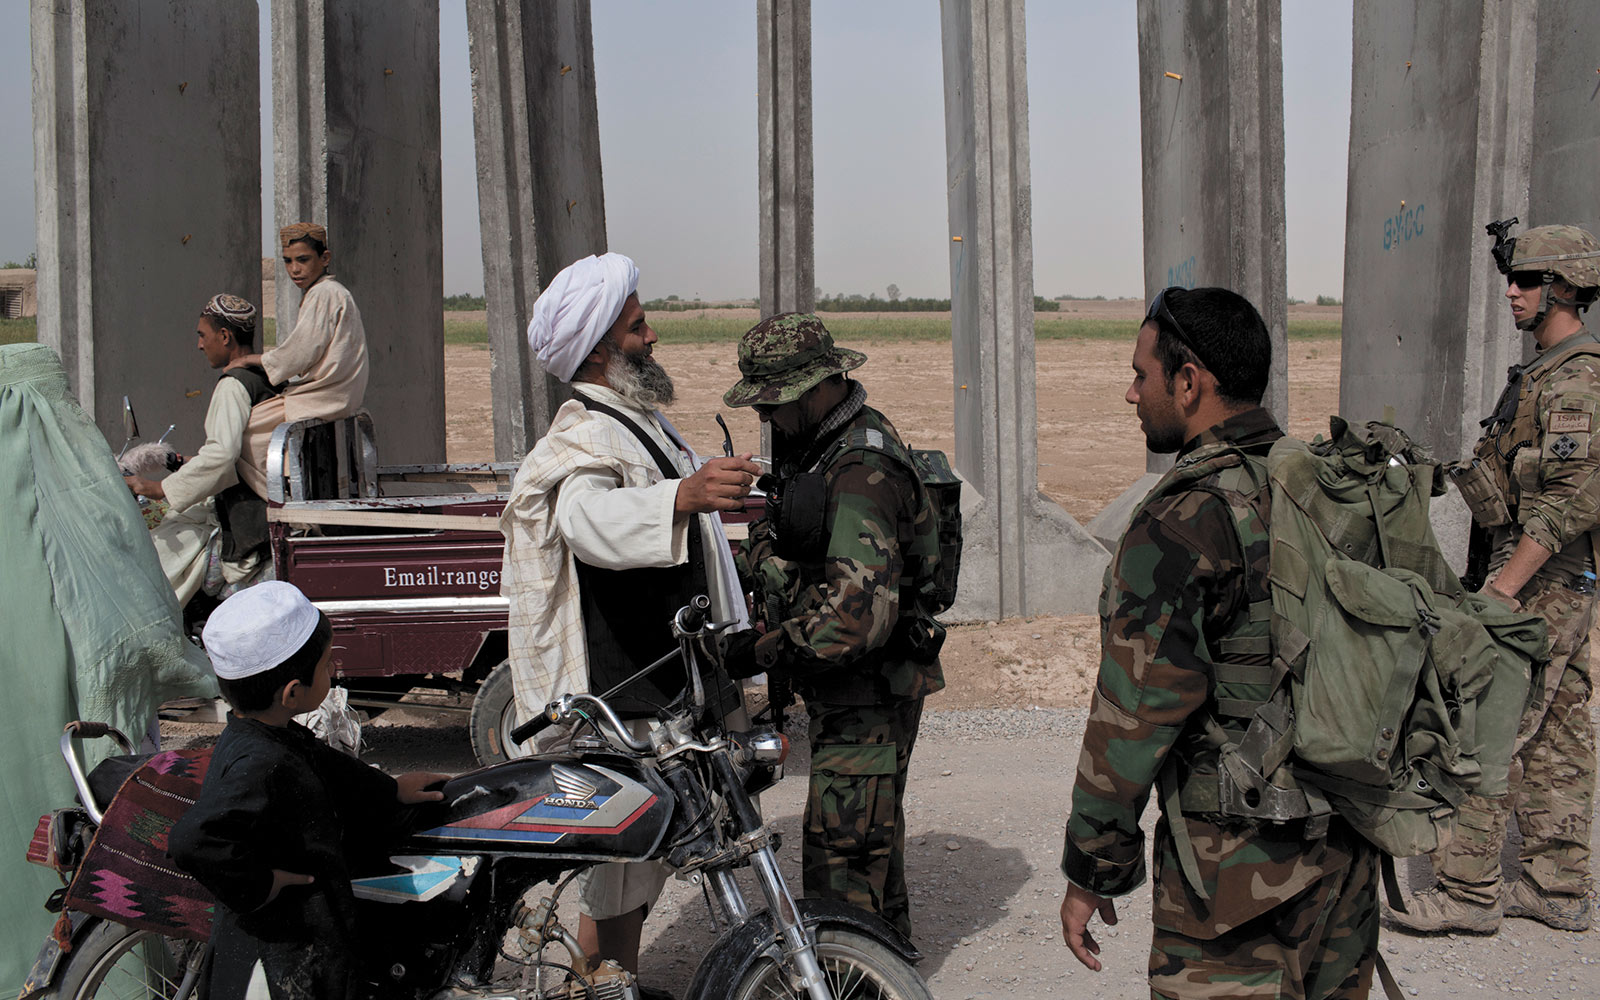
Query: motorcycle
x,y
458,913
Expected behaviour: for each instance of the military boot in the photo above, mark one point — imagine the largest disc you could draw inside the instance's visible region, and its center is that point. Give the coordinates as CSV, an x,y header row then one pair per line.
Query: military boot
x,y
1435,911
1564,913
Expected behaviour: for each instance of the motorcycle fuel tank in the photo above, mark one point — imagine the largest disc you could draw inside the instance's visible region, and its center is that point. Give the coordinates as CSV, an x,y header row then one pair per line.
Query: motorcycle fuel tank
x,y
601,807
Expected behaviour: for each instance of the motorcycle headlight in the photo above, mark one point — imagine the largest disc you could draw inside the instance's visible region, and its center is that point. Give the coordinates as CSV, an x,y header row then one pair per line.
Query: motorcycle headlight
x,y
766,747
759,756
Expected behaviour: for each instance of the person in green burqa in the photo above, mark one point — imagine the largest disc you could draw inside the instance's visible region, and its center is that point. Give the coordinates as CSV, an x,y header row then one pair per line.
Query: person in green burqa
x,y
92,630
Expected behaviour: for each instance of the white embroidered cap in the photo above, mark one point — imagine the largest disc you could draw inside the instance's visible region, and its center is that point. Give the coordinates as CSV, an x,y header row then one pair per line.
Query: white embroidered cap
x,y
258,628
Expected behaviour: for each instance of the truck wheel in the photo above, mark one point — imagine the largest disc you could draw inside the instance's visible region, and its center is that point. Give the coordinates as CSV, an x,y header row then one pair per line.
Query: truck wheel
x,y
494,714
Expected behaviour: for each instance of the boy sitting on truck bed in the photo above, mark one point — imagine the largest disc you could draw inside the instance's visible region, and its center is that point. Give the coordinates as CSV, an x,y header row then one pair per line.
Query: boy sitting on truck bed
x,y
279,811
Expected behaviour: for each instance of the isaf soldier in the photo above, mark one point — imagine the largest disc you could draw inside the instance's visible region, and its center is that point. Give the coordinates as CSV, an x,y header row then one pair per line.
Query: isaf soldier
x,y
1534,488
1283,914
837,567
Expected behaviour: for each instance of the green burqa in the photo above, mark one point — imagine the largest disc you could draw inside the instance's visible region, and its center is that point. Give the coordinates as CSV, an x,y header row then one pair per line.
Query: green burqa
x,y
92,630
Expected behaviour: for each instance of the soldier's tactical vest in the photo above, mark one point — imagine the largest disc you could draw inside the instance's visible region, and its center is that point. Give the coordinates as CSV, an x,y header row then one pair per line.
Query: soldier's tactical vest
x,y
930,546
241,514
1366,682
1509,453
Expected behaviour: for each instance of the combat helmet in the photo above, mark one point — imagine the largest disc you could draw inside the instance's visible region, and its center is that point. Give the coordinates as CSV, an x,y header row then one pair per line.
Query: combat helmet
x,y
1564,252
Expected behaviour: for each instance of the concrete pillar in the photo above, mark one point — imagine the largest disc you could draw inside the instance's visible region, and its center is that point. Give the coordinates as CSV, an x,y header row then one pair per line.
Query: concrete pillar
x,y
541,204
1440,123
1564,185
1211,133
147,186
356,147
1211,130
1024,555
783,85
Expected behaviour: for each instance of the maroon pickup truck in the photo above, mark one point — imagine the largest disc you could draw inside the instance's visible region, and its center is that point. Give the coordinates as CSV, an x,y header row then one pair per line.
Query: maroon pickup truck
x,y
405,561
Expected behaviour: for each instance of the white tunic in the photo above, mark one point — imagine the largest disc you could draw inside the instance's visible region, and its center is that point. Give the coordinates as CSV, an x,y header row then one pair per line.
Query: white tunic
x,y
184,537
325,355
590,489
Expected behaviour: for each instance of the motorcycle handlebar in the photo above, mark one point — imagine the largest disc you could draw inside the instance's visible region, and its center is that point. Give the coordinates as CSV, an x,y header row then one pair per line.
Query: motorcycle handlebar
x,y
533,727
689,622
572,707
691,618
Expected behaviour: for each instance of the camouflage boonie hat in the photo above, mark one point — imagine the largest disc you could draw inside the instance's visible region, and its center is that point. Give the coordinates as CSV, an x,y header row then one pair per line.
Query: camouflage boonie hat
x,y
784,355
1568,252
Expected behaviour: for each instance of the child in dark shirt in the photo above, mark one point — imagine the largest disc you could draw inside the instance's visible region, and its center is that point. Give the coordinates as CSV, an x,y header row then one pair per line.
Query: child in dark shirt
x,y
279,811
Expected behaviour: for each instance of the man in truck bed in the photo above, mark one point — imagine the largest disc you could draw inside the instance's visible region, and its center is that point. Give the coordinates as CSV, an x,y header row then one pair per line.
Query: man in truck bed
x,y
611,526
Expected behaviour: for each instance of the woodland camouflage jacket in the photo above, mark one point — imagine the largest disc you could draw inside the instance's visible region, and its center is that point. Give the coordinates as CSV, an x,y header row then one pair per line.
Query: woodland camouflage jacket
x,y
1181,579
831,621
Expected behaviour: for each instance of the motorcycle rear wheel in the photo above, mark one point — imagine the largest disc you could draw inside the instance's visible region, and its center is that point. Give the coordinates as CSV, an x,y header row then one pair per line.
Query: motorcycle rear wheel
x,y
116,962
856,967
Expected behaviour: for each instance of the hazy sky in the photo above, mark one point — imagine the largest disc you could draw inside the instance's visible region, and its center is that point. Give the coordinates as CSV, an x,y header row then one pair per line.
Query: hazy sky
x,y
677,99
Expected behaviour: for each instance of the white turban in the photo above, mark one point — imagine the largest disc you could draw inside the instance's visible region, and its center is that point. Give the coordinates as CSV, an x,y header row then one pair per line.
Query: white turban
x,y
576,309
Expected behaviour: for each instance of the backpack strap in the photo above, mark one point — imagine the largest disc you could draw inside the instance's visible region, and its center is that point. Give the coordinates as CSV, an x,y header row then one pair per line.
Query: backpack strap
x,y
872,439
695,544
1250,722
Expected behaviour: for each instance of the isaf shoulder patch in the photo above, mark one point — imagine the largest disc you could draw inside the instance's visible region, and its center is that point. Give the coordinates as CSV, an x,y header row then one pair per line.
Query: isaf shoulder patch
x,y
1569,423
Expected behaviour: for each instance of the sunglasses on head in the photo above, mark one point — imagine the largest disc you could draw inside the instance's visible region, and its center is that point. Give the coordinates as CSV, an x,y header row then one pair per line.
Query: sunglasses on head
x,y
1160,314
1525,279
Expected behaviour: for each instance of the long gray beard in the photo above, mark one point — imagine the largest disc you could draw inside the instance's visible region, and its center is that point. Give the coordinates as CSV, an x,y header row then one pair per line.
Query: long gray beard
x,y
641,380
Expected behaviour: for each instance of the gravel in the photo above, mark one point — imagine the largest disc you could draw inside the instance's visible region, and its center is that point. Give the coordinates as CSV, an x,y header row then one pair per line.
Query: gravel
x,y
990,790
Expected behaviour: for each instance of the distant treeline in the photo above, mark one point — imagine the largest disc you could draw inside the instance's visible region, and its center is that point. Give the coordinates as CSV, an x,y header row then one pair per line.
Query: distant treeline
x,y
827,303
673,304
871,303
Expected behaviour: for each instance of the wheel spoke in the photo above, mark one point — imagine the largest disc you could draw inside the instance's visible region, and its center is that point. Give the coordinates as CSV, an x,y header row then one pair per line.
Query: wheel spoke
x,y
854,967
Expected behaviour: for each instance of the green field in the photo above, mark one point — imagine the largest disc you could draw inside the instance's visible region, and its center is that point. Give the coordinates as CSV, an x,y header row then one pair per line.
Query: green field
x,y
884,328
869,327
19,331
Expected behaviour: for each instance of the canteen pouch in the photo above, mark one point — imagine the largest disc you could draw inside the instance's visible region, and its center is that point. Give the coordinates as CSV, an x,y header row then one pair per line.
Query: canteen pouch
x,y
1481,493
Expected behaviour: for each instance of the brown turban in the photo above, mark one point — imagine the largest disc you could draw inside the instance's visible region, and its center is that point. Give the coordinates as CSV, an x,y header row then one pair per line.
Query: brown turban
x,y
303,231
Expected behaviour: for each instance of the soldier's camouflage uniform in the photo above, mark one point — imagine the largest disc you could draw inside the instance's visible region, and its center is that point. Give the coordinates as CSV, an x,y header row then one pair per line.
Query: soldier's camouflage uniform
x,y
832,629
1286,916
1547,461
835,619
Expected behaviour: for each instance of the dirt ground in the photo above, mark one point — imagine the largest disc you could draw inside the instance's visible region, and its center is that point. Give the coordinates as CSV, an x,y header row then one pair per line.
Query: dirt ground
x,y
988,800
992,774
1090,450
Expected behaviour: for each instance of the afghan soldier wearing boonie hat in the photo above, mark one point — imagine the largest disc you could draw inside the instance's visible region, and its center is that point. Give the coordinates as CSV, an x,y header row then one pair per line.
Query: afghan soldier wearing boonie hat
x,y
836,565
1533,485
785,355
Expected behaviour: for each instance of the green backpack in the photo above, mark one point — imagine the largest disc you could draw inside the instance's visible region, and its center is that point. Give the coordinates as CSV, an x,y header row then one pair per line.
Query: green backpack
x,y
939,570
1392,693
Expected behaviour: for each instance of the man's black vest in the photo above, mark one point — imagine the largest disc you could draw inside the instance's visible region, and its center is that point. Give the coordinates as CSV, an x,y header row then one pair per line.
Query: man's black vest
x,y
627,613
242,514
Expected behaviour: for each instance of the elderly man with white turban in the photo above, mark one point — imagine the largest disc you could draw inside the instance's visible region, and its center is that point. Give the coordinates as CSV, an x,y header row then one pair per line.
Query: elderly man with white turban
x,y
612,525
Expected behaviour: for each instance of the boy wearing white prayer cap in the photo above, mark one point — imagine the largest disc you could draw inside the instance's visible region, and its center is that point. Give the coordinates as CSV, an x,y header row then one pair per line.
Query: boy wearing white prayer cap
x,y
268,834
611,526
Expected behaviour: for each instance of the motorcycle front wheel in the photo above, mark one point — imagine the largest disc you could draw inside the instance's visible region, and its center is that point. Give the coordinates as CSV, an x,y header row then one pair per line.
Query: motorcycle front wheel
x,y
855,966
115,961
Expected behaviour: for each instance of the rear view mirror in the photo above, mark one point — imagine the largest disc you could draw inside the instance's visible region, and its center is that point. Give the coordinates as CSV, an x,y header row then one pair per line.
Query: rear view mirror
x,y
130,425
